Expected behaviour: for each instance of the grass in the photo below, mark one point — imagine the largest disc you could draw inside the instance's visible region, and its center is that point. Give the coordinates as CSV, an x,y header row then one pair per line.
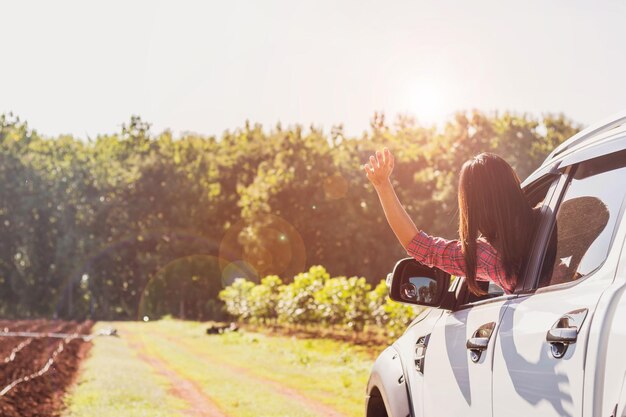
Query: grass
x,y
333,373
233,393
245,374
114,382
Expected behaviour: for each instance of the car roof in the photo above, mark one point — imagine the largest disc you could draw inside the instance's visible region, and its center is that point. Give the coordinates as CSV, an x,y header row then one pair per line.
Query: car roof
x,y
598,139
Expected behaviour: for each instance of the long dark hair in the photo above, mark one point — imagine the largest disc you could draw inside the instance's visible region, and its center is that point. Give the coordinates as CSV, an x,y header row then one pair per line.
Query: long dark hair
x,y
492,203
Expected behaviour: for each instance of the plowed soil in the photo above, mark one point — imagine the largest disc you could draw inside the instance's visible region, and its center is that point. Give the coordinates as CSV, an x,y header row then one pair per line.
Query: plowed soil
x,y
27,390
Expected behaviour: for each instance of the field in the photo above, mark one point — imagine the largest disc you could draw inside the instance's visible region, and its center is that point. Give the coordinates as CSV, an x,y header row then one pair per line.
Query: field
x,y
172,368
35,370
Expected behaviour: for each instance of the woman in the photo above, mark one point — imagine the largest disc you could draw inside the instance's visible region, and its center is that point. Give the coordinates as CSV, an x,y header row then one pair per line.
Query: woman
x,y
496,222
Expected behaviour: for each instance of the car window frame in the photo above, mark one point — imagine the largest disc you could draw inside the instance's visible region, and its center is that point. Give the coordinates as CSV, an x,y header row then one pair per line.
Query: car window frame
x,y
530,276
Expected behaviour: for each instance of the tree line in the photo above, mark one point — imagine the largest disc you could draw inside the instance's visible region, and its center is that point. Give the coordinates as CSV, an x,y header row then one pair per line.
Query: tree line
x,y
138,223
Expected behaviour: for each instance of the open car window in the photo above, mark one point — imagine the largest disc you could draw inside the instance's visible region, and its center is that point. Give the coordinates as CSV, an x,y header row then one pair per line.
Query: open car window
x,y
539,194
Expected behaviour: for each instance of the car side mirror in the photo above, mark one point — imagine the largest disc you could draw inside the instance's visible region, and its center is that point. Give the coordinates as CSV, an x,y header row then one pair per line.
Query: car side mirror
x,y
414,283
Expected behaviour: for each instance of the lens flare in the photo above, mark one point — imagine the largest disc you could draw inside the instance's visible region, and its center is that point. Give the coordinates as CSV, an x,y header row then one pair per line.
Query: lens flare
x,y
270,246
86,275
183,288
238,269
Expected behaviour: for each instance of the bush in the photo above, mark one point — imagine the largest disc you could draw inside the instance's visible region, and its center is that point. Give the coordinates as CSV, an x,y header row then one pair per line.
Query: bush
x,y
296,301
315,298
343,301
236,297
264,299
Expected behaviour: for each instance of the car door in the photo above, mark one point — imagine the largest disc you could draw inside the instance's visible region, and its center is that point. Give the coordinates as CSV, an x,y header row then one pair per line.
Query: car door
x,y
457,366
539,356
457,380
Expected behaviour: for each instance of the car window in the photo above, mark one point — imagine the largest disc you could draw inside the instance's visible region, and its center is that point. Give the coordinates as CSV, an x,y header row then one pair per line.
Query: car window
x,y
585,220
537,195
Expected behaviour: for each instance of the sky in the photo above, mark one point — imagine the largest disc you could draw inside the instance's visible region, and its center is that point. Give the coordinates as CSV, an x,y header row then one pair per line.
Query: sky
x,y
84,67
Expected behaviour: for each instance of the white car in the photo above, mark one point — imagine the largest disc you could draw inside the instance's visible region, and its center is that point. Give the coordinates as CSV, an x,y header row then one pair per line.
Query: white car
x,y
557,345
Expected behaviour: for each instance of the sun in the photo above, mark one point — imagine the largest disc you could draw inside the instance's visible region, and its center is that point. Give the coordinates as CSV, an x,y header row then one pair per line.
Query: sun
x,y
427,101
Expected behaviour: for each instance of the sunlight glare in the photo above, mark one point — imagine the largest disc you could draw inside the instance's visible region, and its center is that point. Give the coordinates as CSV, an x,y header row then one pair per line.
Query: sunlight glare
x,y
427,102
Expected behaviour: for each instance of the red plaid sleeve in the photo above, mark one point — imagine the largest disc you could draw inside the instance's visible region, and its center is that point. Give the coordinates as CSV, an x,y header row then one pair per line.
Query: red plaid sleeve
x,y
447,255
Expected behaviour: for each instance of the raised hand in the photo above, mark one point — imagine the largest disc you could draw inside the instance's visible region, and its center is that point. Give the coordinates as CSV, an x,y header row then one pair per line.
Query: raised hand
x,y
378,171
379,168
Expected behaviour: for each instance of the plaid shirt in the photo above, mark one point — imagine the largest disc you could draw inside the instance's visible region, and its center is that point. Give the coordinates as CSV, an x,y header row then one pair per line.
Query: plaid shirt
x,y
447,255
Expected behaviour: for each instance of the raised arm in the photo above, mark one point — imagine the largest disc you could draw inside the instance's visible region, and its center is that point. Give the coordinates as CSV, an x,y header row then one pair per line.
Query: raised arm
x,y
432,251
378,172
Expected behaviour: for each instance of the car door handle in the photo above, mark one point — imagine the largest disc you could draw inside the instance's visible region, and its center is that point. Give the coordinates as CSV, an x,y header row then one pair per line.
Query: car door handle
x,y
565,331
480,341
561,335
